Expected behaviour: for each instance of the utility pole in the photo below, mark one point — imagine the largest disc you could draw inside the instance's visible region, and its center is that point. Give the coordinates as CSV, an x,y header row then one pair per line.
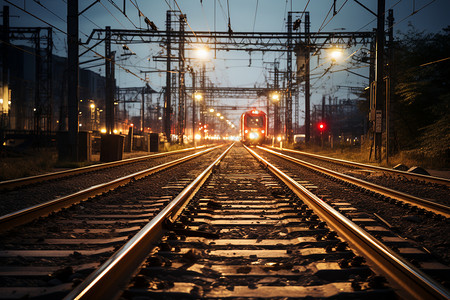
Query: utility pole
x,y
193,104
307,81
5,69
109,89
168,95
142,109
72,90
203,103
288,112
181,83
390,19
379,79
276,114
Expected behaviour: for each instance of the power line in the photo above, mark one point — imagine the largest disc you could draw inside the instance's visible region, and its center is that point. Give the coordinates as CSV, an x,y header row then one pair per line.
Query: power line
x,y
254,19
25,11
52,26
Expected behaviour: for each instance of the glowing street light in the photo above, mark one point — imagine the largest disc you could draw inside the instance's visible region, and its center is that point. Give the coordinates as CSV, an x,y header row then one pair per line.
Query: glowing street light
x,y
198,96
336,53
275,96
202,53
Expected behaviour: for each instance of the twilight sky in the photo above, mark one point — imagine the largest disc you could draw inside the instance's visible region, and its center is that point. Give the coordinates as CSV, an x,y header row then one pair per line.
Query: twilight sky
x,y
231,68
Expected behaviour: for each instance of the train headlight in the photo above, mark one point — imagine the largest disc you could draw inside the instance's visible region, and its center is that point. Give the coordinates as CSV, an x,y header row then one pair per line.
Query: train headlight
x,y
253,135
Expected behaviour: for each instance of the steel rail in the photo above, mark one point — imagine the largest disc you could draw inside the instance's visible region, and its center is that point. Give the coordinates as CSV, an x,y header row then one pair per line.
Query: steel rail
x,y
28,214
110,278
427,178
412,283
14,183
419,202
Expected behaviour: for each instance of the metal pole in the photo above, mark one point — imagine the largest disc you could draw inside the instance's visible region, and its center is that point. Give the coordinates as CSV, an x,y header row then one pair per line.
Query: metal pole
x,y
5,68
288,112
193,105
72,86
168,96
276,114
388,80
181,87
109,90
202,105
142,110
379,78
307,82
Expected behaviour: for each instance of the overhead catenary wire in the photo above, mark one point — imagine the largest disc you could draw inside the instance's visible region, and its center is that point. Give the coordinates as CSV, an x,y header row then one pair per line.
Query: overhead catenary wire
x,y
62,31
256,12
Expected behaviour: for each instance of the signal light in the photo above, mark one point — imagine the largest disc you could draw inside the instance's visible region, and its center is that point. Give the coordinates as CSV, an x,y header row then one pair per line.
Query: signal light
x,y
321,126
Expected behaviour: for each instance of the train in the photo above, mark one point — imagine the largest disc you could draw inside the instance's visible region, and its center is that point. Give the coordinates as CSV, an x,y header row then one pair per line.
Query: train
x,y
253,127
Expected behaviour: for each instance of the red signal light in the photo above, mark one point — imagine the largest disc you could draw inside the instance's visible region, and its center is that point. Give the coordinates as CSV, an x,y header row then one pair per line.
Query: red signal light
x,y
321,126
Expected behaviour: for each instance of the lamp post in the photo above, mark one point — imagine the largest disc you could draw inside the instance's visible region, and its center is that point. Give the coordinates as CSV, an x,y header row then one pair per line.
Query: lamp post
x,y
197,97
276,121
203,54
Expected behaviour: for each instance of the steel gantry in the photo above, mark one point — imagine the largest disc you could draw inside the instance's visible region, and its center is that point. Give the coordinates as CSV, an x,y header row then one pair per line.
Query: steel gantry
x,y
42,38
295,40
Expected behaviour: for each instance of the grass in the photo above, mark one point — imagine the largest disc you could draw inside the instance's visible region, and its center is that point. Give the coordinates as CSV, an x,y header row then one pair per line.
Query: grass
x,y
26,163
361,154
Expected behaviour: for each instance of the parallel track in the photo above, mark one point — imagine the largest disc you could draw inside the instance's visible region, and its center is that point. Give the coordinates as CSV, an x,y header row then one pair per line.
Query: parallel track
x,y
386,192
27,215
415,284
19,182
108,280
409,175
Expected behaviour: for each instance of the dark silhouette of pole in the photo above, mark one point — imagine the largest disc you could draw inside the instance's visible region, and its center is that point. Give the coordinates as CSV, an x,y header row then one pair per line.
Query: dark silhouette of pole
x,y
390,19
307,82
109,80
276,113
288,112
168,95
379,79
72,85
181,85
193,104
5,67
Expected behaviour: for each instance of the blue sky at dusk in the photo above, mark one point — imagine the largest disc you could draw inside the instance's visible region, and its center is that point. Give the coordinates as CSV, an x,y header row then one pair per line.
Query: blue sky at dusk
x,y
230,68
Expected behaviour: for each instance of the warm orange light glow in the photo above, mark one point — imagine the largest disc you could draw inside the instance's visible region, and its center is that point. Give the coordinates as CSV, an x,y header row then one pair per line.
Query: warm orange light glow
x,y
202,53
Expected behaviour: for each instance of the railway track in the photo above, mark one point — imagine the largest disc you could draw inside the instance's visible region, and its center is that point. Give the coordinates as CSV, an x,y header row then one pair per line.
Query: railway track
x,y
52,186
387,194
354,165
238,230
46,257
20,182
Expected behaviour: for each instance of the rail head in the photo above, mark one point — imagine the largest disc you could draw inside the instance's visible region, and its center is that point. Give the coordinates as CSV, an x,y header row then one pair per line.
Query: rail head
x,y
40,210
434,207
427,178
108,280
18,182
413,283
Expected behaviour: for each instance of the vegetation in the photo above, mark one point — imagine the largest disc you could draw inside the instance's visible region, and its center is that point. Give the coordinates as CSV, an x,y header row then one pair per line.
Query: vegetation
x,y
421,100
31,162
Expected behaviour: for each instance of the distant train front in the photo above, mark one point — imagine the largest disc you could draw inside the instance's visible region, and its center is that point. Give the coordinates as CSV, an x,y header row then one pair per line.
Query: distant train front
x,y
253,127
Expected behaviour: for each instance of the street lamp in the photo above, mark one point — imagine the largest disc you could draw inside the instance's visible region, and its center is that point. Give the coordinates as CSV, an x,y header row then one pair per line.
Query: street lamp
x,y
335,54
202,53
275,96
276,99
198,97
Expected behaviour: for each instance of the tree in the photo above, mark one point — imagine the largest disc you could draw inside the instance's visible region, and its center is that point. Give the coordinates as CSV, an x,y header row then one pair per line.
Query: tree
x,y
420,104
